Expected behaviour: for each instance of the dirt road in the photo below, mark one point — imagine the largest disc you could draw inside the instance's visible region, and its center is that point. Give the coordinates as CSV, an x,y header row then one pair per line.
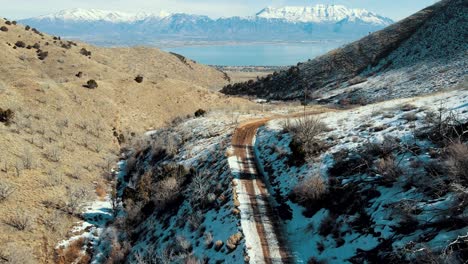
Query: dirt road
x,y
262,228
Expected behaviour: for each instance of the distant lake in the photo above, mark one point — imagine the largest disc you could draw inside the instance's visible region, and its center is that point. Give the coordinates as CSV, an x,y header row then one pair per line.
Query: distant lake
x,y
257,54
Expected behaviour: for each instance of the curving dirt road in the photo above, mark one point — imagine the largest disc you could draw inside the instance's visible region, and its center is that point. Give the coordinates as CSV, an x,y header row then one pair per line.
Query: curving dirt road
x,y
262,229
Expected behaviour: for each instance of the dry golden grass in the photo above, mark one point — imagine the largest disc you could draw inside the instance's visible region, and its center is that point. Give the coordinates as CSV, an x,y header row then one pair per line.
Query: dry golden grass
x,y
63,135
101,191
243,76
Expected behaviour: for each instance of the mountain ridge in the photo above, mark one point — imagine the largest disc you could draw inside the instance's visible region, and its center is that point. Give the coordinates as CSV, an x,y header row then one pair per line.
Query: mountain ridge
x,y
319,14
379,65
119,28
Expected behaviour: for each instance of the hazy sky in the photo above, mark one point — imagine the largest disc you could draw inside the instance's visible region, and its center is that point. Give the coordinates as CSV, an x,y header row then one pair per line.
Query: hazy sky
x,y
395,9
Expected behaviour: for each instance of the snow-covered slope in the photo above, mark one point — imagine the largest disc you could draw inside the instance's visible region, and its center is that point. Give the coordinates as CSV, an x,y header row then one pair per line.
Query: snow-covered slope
x,y
323,14
426,51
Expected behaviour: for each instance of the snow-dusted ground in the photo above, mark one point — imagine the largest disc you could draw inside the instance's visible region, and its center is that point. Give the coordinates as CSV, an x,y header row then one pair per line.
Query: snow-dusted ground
x,y
203,149
347,132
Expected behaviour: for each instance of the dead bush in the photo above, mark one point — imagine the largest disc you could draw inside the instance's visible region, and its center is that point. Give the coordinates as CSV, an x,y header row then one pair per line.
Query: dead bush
x,y
198,190
311,189
77,196
444,127
20,220
457,162
166,190
305,131
27,159
53,154
208,237
72,253
218,245
388,168
5,191
233,241
54,178
182,245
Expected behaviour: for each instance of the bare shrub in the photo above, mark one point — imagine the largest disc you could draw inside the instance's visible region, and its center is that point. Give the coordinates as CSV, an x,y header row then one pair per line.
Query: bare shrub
x,y
305,131
195,219
199,189
54,178
20,220
218,245
183,245
72,253
165,191
444,127
5,191
233,241
76,172
77,196
27,159
311,189
410,117
17,254
388,168
53,222
53,154
457,162
208,238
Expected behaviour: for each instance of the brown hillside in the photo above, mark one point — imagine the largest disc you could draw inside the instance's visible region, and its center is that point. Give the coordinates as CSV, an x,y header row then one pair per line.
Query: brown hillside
x,y
62,136
426,44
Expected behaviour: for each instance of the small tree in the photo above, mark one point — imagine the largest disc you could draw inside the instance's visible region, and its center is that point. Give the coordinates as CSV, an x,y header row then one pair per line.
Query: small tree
x,y
20,44
91,84
200,113
139,79
77,196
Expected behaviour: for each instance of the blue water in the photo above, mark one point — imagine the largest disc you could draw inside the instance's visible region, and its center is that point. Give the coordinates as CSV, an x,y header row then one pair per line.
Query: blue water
x,y
283,54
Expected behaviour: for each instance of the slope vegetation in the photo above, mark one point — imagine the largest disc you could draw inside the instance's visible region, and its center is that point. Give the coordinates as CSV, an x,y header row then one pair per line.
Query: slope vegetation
x,y
60,133
421,51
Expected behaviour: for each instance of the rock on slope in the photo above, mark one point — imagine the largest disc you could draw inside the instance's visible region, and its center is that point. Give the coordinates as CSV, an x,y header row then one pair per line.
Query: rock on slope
x,y
419,50
63,136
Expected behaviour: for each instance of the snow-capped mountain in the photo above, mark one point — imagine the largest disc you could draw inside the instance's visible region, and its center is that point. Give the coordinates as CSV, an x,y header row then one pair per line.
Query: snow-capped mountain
x,y
270,24
323,14
90,15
